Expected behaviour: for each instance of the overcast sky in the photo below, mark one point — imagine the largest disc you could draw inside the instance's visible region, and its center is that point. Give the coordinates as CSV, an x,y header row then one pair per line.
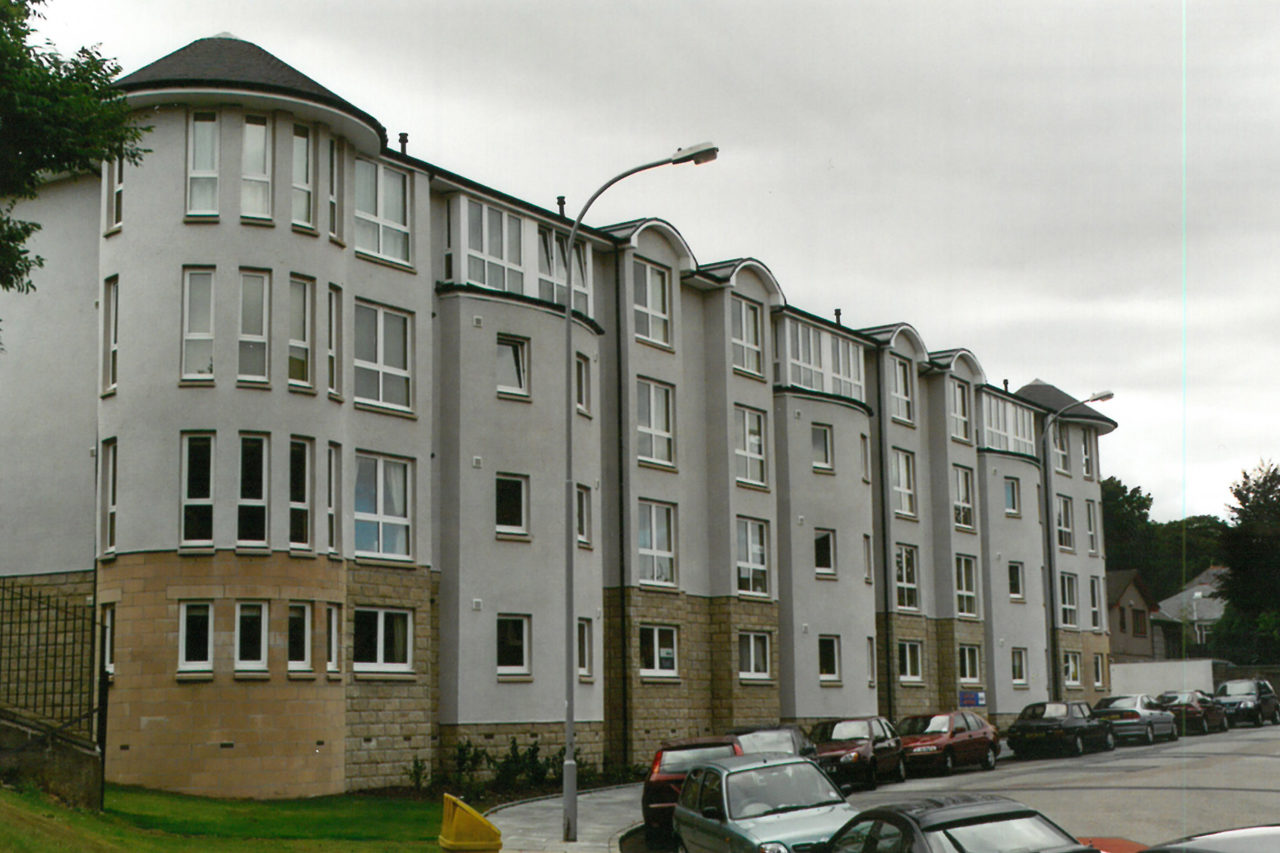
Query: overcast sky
x,y
1005,176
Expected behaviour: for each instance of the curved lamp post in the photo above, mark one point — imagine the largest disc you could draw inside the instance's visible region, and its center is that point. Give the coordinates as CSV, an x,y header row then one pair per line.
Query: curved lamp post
x,y
703,152
1050,539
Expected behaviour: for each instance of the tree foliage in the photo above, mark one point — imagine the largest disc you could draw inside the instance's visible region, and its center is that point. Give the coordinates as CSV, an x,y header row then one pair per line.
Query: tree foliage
x,y
1251,545
57,115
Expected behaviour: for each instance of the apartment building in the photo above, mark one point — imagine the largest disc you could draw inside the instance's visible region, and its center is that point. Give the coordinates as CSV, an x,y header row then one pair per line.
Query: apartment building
x,y
317,463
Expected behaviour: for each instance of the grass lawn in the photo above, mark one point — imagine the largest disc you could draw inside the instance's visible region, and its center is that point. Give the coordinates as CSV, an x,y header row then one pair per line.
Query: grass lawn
x,y
138,820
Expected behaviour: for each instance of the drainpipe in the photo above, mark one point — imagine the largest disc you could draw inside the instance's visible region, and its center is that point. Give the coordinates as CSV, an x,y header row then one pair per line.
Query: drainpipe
x,y
623,627
1051,583
889,684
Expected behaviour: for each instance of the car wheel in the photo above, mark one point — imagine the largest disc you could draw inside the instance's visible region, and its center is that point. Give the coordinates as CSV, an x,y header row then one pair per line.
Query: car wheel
x,y
1077,745
1173,732
989,760
1149,736
1275,717
1257,718
948,763
1109,742
1204,725
871,776
901,775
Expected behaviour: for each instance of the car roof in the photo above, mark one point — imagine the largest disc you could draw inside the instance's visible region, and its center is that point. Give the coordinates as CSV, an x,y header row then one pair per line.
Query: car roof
x,y
781,727
733,763
930,812
695,742
1243,840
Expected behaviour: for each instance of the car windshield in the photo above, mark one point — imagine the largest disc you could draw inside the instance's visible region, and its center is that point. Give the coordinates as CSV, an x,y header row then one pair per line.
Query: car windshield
x,y
681,759
842,730
1016,835
1177,698
779,788
925,725
1117,702
767,740
1237,688
1043,710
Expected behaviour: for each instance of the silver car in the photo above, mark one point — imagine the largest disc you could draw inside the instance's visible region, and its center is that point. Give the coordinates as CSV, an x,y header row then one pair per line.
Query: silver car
x,y
1137,717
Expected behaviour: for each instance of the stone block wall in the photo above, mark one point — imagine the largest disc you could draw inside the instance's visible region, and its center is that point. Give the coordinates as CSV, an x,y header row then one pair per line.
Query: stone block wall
x,y
951,634
909,697
738,701
1088,644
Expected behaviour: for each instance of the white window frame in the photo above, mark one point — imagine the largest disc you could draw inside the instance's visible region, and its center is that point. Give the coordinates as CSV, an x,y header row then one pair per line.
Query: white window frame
x,y
1091,524
383,225
380,663
805,355
115,204
750,443
1012,497
192,501
301,491
1095,603
524,621
652,304
864,444
904,482
552,270
1017,569
871,661
966,585
197,337
196,174
494,261
657,634
582,514
753,656
186,610
867,563
520,528
333,494
745,336
648,516
968,664
303,664
910,661
301,196
1018,663
246,498
906,560
333,637
1098,669
1086,453
963,509
301,331
1065,518
846,368
513,352
582,383
753,556
1061,448
380,367
110,494
259,178
381,517
824,459
109,638
334,343
961,423
830,536
250,339
1068,600
335,180
1071,669
585,648
258,664
111,333
1022,438
901,389
832,641
996,422
660,432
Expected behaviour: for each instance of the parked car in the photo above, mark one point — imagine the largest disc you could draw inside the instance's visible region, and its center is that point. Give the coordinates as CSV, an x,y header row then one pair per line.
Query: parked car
x,y
977,822
1195,711
666,776
753,803
859,750
1249,700
1248,838
788,738
1069,726
1137,716
943,741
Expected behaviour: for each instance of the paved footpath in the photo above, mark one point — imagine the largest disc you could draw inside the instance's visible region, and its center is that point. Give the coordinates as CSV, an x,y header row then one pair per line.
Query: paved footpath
x,y
538,825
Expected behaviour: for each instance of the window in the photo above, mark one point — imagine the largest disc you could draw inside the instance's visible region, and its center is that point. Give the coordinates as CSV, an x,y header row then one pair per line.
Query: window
x,y
382,211
513,645
1071,668
511,506
1066,535
513,361
1097,670
335,169
753,568
905,559
1009,426
846,368
109,493
197,325
909,653
333,637
255,323
202,165
1017,585
1086,452
382,509
864,444
251,508
753,655
1061,452
251,635
901,399
109,638
828,658
748,353
584,515
1091,525
381,641
552,270
1067,586
582,383
333,490
866,558
334,343
1012,496
115,171
300,636
967,665
658,651
904,482
823,456
653,303
300,493
806,355
584,648
197,489
1018,666
195,636
1139,622
749,445
655,536
495,254
1095,603
654,422
111,333
255,169
871,661
301,176
300,313
382,356
824,551
960,410
962,482
966,586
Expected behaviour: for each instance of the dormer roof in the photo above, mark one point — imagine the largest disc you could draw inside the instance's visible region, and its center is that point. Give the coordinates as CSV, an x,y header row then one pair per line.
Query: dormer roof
x,y
1055,399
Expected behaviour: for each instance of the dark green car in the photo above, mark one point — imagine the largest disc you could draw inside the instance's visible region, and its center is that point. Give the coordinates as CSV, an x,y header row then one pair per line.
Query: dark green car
x,y
765,803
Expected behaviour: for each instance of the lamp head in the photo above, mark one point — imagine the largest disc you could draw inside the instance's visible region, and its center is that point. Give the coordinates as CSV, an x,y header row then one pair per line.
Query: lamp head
x,y
1101,397
703,152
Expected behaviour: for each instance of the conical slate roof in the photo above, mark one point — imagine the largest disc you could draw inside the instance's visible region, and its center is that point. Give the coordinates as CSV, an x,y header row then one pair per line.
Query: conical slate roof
x,y
1055,399
226,62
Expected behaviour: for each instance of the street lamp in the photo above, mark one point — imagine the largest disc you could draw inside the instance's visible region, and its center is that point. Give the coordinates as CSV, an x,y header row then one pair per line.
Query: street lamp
x,y
1050,534
703,152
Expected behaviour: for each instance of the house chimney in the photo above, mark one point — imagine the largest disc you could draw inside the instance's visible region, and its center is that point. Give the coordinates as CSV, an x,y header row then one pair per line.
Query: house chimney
x,y
838,323
560,204
1006,384
404,142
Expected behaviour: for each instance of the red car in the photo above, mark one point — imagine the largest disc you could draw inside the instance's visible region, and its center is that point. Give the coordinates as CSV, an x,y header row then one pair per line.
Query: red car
x,y
860,750
1195,711
666,777
944,741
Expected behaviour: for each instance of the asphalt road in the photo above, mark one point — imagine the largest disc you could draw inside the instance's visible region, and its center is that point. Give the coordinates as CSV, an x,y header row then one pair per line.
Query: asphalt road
x,y
1145,793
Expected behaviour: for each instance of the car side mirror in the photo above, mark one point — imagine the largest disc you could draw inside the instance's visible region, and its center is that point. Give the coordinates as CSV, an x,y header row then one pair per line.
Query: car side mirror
x,y
712,813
